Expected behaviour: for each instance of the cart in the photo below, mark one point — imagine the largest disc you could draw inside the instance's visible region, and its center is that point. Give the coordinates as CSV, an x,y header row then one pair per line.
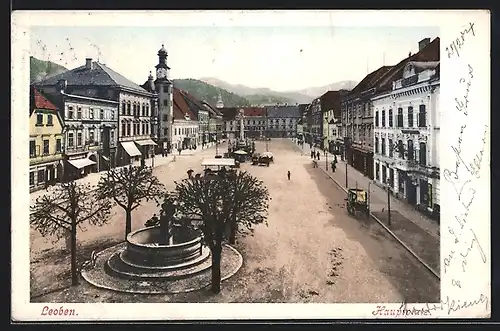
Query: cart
x,y
357,200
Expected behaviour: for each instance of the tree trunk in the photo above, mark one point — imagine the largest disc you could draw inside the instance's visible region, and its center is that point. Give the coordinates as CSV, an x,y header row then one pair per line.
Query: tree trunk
x,y
74,271
216,276
164,231
128,222
233,228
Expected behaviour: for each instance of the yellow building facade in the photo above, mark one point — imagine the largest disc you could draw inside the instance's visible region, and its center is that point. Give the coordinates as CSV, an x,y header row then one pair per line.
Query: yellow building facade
x,y
46,142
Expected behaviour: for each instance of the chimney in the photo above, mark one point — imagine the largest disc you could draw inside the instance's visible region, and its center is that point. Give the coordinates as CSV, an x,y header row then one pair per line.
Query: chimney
x,y
62,83
88,63
423,43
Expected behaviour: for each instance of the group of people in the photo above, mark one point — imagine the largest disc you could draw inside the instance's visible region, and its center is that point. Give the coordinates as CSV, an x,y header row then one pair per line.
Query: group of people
x,y
315,155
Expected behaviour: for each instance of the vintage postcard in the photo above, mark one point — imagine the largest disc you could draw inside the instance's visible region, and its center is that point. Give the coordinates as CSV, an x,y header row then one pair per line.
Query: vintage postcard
x,y
334,162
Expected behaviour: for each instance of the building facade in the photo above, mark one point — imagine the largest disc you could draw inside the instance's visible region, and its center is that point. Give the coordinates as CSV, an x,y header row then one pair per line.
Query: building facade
x,y
331,109
96,80
46,142
281,121
254,122
406,140
91,132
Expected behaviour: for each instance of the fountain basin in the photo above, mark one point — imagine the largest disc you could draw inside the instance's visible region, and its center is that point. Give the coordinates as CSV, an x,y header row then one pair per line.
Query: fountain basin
x,y
143,251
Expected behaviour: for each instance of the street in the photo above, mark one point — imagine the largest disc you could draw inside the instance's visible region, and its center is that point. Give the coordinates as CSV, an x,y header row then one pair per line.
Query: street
x,y
312,251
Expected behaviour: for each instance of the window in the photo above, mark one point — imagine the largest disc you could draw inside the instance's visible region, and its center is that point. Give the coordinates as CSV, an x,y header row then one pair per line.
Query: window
x,y
101,114
401,149
165,88
124,108
79,139
391,148
165,132
46,147
383,146
39,119
124,129
58,145
391,177
143,110
175,131
383,118
79,113
32,178
41,176
50,120
377,171
91,136
376,145
376,119
390,118
112,136
421,117
70,112
410,117
400,117
112,113
91,113
134,129
32,148
143,128
410,150
165,102
128,129
147,110
128,108
70,139
384,174
422,154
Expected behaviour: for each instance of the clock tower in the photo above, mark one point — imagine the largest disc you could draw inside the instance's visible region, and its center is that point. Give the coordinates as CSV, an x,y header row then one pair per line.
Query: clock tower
x,y
165,99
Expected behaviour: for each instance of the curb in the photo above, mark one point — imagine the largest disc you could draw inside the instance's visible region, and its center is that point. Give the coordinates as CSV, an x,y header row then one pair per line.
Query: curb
x,y
390,232
188,290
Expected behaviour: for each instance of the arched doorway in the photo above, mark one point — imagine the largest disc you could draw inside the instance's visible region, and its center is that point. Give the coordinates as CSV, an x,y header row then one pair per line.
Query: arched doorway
x,y
93,168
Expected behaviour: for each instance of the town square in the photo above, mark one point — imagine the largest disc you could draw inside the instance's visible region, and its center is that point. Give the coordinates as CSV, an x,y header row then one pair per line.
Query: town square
x,y
161,189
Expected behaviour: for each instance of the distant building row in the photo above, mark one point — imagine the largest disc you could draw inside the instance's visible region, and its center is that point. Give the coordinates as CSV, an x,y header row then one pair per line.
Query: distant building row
x,y
387,127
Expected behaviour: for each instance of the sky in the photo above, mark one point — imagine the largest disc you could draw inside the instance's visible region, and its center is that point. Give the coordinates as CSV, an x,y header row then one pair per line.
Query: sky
x,y
280,58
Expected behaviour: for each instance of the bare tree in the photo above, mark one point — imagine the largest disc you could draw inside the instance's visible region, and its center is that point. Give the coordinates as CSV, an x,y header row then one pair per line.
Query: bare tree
x,y
128,187
211,198
67,209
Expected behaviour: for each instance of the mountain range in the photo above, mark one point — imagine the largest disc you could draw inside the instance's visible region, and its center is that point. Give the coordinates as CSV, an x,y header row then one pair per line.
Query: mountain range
x,y
298,96
208,89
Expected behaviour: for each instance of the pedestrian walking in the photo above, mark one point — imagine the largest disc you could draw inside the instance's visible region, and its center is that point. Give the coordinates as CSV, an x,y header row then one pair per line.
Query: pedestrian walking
x,y
317,154
312,155
288,174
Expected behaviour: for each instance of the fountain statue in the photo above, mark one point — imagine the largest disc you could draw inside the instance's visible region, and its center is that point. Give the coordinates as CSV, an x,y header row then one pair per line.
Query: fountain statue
x,y
242,127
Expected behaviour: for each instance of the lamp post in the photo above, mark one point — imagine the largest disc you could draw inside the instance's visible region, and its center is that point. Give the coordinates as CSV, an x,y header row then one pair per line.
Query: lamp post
x,y
327,138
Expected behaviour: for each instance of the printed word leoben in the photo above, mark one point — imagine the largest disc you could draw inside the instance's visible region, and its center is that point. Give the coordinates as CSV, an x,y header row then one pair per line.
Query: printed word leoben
x,y
61,311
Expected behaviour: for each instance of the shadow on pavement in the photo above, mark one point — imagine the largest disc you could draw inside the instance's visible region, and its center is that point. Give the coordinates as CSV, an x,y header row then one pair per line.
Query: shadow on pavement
x,y
407,275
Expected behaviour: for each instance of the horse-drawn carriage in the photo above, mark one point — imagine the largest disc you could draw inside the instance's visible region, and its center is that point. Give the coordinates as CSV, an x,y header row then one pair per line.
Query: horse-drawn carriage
x,y
357,200
264,159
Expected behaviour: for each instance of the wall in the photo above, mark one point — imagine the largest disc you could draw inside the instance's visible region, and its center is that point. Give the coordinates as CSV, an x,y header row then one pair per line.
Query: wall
x,y
38,133
129,97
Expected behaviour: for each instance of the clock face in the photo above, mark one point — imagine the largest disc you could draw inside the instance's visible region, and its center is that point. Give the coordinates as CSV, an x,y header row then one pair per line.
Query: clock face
x,y
161,73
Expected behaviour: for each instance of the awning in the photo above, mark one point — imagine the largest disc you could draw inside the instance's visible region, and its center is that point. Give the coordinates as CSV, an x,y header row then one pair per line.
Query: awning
x,y
145,142
131,148
81,163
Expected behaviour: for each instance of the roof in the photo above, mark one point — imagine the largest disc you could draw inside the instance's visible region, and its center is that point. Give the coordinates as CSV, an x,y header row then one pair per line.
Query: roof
x,y
331,100
369,81
181,107
254,111
283,111
99,75
39,101
229,113
429,54
217,162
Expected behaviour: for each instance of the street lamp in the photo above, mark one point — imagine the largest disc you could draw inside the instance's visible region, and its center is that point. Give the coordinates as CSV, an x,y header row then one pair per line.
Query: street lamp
x,y
327,138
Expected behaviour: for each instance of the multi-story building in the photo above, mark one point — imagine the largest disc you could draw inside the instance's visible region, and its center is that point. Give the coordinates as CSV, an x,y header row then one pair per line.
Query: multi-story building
x,y
254,122
331,108
282,120
357,122
316,122
357,107
407,122
96,80
185,124
302,123
46,142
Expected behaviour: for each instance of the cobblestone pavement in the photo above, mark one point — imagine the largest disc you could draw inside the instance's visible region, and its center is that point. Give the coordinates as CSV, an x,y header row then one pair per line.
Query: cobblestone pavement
x,y
312,251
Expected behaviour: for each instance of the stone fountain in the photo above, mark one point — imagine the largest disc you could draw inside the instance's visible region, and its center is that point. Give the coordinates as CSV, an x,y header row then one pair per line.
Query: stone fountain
x,y
167,256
